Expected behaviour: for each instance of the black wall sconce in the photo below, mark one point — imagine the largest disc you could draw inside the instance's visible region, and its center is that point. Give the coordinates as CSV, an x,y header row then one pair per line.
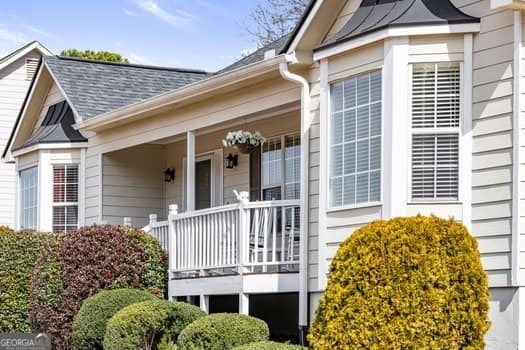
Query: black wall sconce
x,y
169,175
232,161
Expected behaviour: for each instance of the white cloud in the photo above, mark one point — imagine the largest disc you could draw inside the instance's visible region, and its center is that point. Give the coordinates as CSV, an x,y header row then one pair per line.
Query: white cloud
x,y
130,13
177,19
134,57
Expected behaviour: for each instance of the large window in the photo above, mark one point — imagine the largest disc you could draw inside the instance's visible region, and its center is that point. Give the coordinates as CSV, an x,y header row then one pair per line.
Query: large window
x,y
355,140
65,197
435,131
28,197
281,168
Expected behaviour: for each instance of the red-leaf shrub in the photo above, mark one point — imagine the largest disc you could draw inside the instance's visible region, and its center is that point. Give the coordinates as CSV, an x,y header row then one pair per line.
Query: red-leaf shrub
x,y
80,263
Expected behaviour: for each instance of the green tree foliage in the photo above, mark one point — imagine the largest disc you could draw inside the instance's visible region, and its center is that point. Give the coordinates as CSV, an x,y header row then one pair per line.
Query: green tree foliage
x,y
407,283
80,263
19,252
222,332
269,345
94,55
90,322
143,325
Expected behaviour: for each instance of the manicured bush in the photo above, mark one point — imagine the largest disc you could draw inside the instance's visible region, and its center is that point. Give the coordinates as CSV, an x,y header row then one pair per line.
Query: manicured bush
x,y
222,332
269,345
89,325
84,261
142,325
407,283
19,252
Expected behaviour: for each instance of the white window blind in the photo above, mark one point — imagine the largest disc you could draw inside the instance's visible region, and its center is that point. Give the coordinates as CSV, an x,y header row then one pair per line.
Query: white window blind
x,y
435,131
355,140
65,197
28,198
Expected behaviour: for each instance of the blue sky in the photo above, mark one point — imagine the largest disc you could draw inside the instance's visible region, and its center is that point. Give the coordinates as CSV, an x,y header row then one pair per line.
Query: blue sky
x,y
205,34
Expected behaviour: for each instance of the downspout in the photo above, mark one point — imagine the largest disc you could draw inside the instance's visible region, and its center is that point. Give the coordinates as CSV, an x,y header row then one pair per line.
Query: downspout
x,y
305,165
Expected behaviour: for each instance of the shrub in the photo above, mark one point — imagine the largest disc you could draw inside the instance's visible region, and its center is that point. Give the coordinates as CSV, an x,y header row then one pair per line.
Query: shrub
x,y
222,332
142,325
405,283
19,252
82,262
89,325
269,345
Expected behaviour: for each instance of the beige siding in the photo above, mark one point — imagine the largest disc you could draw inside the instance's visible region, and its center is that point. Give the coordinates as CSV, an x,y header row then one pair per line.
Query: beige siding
x,y
92,188
13,88
53,96
344,15
522,155
133,184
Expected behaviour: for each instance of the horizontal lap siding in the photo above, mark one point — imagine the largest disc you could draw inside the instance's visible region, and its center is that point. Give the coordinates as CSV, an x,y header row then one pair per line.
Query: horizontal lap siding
x,y
522,158
13,88
133,184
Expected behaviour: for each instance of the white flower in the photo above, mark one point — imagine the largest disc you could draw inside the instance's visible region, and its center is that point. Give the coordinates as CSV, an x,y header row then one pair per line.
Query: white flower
x,y
234,138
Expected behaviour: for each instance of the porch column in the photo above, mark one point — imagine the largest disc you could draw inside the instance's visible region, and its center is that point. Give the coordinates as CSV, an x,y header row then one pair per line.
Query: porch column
x,y
244,304
190,171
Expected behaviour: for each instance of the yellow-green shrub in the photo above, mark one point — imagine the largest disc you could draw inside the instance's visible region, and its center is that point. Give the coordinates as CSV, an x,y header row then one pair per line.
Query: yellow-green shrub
x,y
407,283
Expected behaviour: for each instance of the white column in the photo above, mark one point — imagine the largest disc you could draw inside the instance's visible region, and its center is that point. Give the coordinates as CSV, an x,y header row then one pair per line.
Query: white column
x,y
190,171
82,188
45,191
395,134
244,304
205,303
465,160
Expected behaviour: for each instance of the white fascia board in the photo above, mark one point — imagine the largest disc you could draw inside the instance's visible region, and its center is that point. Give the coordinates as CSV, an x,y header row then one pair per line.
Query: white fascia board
x,y
185,93
36,45
58,145
304,26
396,32
510,4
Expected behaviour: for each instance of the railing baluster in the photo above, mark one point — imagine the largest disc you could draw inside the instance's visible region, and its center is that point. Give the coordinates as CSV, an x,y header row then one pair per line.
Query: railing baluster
x,y
283,234
292,235
266,215
274,233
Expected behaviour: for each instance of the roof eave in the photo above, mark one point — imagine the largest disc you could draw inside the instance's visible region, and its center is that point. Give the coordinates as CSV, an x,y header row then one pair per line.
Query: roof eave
x,y
510,4
24,51
344,45
186,93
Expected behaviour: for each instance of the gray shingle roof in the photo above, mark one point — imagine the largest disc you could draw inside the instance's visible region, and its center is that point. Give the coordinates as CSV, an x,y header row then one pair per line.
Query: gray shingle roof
x,y
373,15
56,127
95,87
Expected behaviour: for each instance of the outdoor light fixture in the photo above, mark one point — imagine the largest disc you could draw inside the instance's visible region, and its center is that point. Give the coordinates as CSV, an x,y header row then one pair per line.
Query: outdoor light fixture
x,y
232,161
169,175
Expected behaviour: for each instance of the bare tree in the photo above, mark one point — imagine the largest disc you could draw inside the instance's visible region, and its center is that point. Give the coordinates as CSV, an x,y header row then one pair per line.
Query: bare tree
x,y
272,19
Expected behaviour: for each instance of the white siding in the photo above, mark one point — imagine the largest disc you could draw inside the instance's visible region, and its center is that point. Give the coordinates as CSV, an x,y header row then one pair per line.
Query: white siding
x,y
54,96
13,88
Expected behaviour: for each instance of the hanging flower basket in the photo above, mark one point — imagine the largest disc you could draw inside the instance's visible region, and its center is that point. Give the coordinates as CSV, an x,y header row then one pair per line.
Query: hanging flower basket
x,y
244,141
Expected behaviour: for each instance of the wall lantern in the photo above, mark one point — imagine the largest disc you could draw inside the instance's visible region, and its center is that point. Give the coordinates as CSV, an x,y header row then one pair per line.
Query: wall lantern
x,y
232,161
169,175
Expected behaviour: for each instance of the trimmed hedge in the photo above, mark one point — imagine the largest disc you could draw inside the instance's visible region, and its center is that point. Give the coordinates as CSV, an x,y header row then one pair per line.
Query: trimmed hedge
x,y
82,262
19,252
407,283
222,332
89,325
142,325
269,345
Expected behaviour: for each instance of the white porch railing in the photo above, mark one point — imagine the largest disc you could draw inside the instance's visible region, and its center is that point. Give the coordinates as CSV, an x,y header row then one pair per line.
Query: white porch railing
x,y
159,230
248,237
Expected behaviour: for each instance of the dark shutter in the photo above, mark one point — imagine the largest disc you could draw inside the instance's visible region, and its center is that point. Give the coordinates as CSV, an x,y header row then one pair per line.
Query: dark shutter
x,y
255,174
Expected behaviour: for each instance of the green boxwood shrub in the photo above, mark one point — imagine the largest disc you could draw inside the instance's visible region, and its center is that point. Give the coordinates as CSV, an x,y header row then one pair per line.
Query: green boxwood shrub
x,y
89,325
222,332
82,262
19,252
269,345
407,283
142,325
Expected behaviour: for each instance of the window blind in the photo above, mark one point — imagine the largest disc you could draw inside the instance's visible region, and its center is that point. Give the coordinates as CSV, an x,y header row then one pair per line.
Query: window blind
x,y
65,197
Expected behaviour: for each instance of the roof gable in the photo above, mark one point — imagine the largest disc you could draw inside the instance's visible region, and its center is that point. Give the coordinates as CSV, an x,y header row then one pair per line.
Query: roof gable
x,y
24,50
94,87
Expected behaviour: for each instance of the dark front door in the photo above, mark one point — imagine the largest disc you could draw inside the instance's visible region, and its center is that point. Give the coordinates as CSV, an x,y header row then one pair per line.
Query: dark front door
x,y
203,184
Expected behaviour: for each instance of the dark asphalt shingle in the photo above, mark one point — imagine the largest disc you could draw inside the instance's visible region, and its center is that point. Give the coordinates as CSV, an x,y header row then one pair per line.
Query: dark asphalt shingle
x,y
95,87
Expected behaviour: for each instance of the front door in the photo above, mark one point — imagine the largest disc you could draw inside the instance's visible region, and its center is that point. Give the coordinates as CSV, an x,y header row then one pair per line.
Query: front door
x,y
203,187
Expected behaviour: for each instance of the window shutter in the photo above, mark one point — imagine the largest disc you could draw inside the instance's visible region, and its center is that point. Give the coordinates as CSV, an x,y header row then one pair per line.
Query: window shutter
x,y
255,174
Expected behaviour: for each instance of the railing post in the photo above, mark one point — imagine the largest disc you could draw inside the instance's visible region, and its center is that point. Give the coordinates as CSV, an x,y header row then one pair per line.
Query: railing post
x,y
173,209
244,229
152,219
127,221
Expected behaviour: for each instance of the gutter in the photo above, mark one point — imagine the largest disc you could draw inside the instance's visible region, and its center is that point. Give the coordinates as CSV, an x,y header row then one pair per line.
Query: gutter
x,y
184,94
305,167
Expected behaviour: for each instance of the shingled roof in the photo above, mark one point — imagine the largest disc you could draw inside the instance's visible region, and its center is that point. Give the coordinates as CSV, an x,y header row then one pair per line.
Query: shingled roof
x,y
95,87
374,15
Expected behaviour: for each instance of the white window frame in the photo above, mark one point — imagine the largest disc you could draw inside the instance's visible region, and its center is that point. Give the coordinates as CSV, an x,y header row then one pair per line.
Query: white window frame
x,y
20,195
65,204
436,131
328,121
282,184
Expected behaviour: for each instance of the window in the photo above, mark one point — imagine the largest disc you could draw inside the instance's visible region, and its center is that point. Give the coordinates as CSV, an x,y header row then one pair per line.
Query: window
x,y
281,168
28,198
435,131
65,197
355,140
